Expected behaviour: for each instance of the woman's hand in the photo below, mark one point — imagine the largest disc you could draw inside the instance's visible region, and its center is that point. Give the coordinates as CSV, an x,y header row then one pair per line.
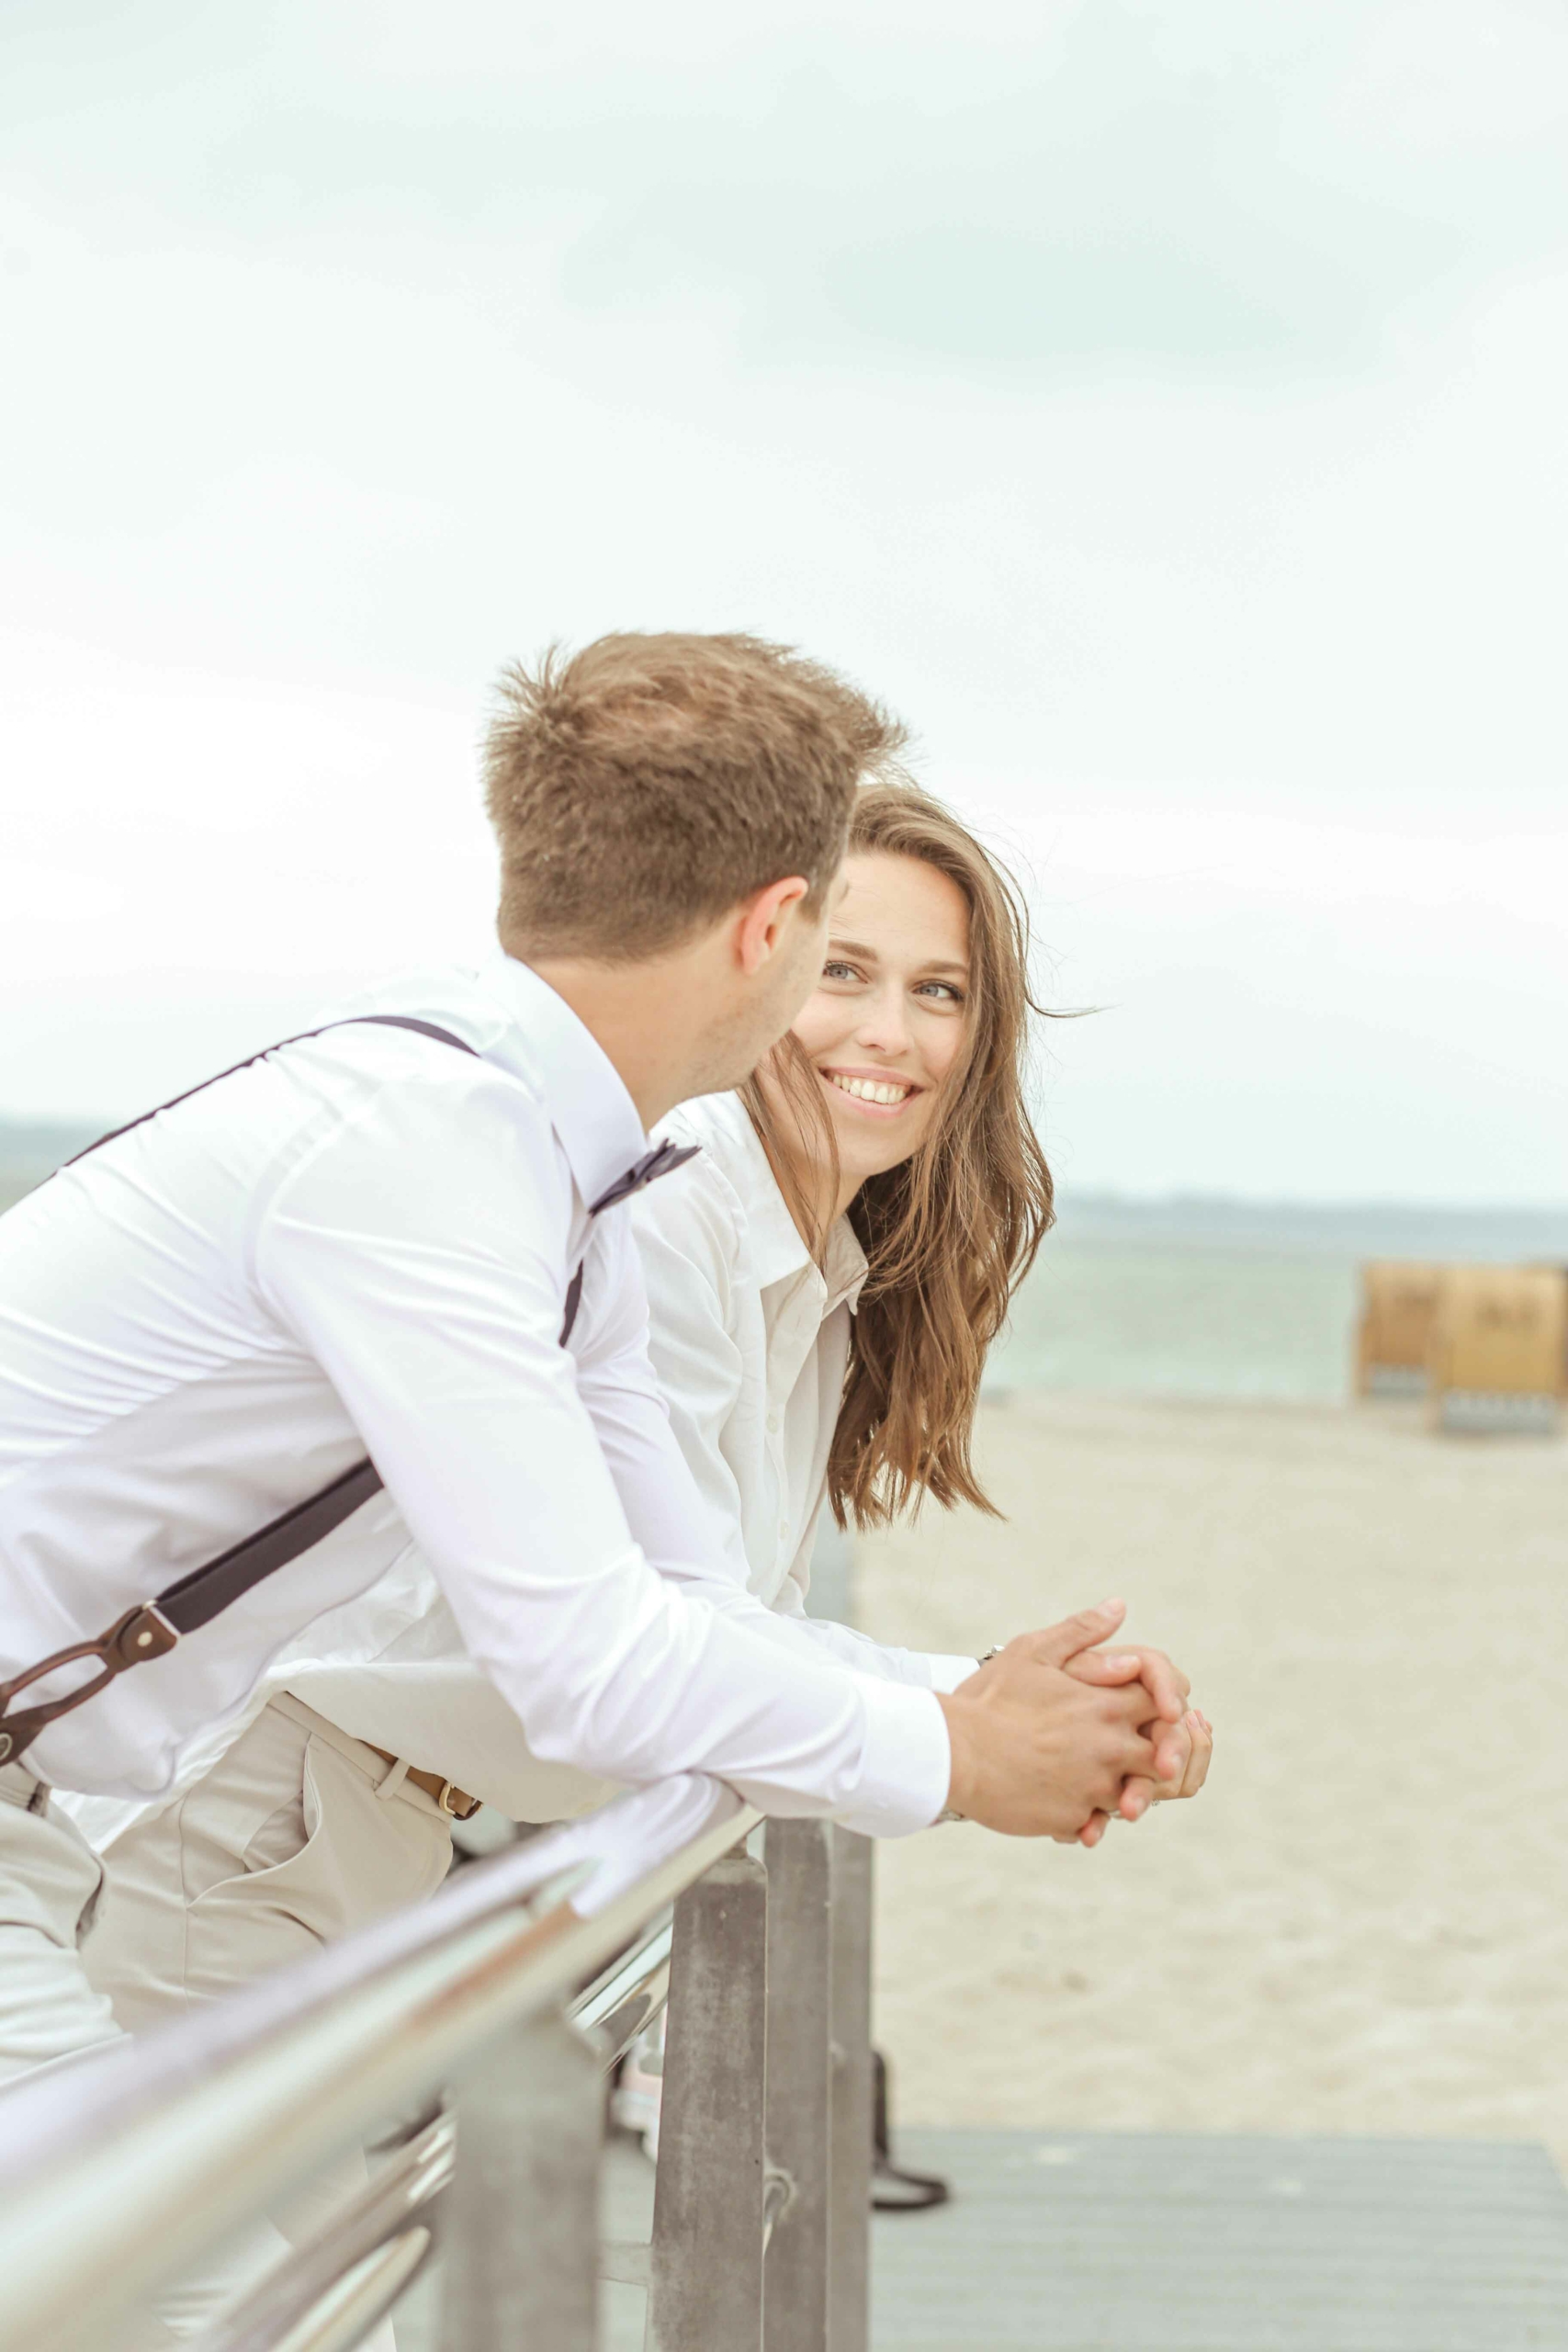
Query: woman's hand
x,y
1200,1736
1185,1752
1183,1738
1038,1752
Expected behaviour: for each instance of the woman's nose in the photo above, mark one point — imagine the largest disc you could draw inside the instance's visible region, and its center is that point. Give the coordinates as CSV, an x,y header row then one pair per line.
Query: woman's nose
x,y
884,1025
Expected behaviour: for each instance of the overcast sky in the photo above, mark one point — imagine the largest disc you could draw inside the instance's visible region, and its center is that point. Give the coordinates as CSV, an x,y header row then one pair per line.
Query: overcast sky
x,y
1160,402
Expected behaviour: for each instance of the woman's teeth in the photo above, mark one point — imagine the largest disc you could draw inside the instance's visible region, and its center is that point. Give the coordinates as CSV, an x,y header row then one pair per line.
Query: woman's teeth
x,y
869,1089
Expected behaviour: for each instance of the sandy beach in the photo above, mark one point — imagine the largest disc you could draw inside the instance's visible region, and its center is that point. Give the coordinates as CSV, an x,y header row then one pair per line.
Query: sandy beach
x,y
1362,1925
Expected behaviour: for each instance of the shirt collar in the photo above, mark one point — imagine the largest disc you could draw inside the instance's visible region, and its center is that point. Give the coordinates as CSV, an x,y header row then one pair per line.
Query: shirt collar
x,y
722,1125
844,1267
586,1096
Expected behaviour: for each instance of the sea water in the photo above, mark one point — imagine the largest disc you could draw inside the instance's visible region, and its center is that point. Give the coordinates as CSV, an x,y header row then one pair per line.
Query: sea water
x,y
1228,1299
1182,1297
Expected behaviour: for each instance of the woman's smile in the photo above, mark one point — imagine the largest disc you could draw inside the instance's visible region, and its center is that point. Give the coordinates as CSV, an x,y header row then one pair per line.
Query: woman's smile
x,y
881,1094
889,1018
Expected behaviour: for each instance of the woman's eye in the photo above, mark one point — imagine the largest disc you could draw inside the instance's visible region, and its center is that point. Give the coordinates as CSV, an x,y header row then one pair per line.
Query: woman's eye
x,y
943,990
839,972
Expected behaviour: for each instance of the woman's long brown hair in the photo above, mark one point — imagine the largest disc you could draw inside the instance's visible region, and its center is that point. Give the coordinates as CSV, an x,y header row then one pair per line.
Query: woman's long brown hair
x,y
951,1233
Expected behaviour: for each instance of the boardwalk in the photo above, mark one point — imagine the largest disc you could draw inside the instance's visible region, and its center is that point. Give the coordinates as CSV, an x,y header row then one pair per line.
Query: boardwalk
x,y
1200,2243
1083,2243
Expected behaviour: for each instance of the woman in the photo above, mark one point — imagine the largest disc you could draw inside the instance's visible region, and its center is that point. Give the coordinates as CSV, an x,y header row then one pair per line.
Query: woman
x,y
827,1277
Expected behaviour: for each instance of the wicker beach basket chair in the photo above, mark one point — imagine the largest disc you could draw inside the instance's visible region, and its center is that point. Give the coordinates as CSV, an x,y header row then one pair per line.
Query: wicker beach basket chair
x,y
1499,1347
1399,1303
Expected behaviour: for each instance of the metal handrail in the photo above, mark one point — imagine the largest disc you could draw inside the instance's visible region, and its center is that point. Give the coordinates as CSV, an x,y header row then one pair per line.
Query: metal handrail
x,y
615,2009
381,2239
387,2226
119,2171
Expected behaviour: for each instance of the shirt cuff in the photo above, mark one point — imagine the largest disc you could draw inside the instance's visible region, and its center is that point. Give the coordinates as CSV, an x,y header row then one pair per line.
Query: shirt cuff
x,y
947,1673
907,1765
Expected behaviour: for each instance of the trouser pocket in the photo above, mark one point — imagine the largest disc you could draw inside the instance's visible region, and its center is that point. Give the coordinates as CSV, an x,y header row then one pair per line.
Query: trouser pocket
x,y
51,1879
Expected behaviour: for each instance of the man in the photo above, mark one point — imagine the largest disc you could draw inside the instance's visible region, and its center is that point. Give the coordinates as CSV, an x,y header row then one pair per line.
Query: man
x,y
373,1240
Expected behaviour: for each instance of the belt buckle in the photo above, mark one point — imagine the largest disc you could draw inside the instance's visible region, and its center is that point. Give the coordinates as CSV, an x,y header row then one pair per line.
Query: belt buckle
x,y
454,1803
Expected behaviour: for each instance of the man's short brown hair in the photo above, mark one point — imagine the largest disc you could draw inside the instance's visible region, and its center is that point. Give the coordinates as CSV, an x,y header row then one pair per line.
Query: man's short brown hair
x,y
642,787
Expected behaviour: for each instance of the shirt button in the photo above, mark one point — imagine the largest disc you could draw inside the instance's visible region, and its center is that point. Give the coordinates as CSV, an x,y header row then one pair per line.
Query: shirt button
x,y
783,1527
773,1421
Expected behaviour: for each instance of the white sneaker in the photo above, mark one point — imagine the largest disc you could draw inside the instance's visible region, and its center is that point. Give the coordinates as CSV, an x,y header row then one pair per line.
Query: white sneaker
x,y
640,2089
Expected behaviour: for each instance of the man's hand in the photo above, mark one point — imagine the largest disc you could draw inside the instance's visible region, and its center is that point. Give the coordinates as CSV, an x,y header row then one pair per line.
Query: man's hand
x,y
1037,1751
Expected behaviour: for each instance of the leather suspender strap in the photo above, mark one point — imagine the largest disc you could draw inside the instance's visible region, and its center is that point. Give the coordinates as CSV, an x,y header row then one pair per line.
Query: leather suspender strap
x,y
141,1634
355,1020
153,1628
194,1600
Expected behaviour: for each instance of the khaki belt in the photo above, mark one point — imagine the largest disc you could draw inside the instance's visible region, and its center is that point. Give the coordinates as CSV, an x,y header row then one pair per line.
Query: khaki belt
x,y
453,1801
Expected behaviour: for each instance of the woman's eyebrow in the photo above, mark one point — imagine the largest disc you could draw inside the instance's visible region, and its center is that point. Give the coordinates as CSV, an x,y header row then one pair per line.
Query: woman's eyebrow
x,y
837,947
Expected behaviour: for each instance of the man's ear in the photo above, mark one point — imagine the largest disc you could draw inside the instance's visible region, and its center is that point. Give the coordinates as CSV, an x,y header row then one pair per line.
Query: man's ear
x,y
763,919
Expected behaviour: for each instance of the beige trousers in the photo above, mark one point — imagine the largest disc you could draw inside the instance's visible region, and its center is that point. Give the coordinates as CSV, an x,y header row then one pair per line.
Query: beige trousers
x,y
297,1836
50,1882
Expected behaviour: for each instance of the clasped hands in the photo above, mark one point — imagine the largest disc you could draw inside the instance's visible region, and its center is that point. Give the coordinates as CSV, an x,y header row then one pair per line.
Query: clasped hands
x,y
1055,1734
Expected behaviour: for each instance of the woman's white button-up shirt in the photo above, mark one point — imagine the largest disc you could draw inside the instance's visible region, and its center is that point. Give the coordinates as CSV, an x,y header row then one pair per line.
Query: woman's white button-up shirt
x,y
751,1340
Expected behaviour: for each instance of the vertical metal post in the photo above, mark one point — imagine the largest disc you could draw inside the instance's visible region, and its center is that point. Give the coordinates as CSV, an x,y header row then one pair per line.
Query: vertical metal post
x,y
800,1995
705,2263
520,2224
848,2217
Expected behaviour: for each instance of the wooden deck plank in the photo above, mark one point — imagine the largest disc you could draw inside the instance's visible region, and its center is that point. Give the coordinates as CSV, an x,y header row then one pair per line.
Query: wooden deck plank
x,y
1079,2242
1115,2242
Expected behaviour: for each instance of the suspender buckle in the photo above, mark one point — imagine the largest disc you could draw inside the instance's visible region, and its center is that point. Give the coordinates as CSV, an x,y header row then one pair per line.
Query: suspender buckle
x,y
142,1634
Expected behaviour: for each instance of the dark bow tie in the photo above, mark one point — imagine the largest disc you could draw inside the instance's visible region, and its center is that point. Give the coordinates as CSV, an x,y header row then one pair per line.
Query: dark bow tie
x,y
646,1171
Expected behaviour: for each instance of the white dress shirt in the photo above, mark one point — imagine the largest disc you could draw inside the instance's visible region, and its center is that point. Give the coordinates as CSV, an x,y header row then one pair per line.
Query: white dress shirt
x,y
363,1243
750,1340
749,1343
